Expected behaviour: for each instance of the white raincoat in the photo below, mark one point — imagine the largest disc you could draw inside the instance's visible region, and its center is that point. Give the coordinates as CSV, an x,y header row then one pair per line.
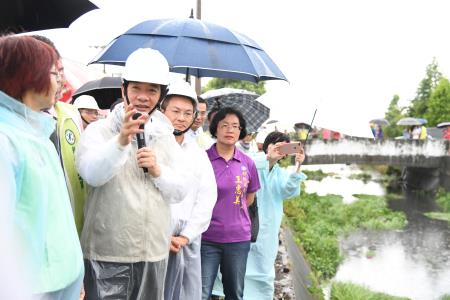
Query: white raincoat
x,y
191,218
127,213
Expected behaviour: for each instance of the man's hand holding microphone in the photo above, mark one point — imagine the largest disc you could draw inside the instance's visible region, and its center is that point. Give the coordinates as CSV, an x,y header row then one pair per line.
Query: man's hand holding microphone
x,y
133,125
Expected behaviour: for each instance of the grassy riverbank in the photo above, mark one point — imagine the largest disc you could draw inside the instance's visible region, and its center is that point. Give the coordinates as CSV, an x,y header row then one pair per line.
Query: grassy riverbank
x,y
346,291
318,221
443,200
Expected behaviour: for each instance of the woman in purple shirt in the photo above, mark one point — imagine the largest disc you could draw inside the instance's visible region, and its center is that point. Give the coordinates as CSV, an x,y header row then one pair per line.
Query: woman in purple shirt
x,y
227,240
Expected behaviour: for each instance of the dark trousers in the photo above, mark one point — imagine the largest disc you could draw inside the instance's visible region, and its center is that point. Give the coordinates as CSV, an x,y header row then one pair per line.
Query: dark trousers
x,y
232,259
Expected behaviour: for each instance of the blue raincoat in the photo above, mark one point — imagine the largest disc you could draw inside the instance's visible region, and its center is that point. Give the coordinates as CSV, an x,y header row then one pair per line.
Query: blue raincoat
x,y
276,186
35,196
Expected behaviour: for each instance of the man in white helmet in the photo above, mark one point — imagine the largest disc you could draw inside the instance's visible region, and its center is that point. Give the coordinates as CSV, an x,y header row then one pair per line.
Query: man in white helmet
x,y
88,109
126,234
192,216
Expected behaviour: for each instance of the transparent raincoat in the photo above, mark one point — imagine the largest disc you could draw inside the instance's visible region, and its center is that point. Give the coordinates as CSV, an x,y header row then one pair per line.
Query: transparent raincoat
x,y
127,212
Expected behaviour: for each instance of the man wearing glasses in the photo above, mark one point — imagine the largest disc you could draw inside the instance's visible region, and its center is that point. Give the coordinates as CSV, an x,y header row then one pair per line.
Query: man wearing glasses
x,y
88,109
196,132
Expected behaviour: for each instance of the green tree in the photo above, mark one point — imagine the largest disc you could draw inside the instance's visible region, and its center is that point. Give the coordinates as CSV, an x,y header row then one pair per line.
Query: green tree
x,y
393,114
439,104
217,83
419,104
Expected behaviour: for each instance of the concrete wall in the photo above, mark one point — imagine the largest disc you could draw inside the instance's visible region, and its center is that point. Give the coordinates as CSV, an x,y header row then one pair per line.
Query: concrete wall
x,y
428,153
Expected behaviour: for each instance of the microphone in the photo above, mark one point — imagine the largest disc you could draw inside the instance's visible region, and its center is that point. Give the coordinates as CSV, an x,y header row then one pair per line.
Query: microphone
x,y
140,137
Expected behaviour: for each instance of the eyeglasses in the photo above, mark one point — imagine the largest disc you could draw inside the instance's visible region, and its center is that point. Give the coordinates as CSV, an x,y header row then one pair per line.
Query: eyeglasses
x,y
90,111
233,127
186,114
57,75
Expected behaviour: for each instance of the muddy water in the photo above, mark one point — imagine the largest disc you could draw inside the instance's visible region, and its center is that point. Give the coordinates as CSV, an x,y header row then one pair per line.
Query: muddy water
x,y
414,262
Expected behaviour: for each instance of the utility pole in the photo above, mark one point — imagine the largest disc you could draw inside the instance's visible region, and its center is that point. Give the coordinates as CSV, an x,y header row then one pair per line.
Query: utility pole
x,y
198,81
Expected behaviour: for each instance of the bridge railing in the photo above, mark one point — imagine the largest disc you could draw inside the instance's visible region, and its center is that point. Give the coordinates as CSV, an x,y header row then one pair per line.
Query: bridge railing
x,y
416,153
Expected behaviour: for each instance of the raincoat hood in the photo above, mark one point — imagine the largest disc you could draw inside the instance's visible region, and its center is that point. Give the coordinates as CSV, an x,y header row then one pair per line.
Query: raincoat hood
x,y
37,123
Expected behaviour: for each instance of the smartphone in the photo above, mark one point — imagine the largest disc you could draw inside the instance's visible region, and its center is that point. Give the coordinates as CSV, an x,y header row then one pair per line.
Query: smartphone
x,y
290,148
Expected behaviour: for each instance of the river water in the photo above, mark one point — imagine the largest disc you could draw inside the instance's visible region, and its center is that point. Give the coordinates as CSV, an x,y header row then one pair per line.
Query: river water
x,y
413,263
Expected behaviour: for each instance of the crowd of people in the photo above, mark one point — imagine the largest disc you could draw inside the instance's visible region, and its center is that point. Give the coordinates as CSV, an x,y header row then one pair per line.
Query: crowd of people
x,y
142,204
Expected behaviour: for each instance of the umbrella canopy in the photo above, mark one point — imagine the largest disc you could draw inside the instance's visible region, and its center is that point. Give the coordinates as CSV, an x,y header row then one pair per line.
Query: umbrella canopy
x,y
30,15
105,90
197,48
443,124
411,121
228,92
254,112
380,121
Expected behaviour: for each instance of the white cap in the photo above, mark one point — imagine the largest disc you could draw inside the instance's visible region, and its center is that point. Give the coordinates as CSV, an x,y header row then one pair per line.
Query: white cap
x,y
85,101
147,65
261,137
182,88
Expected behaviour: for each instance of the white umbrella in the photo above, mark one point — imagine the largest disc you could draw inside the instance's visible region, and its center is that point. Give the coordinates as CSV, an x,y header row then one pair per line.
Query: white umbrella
x,y
411,121
443,124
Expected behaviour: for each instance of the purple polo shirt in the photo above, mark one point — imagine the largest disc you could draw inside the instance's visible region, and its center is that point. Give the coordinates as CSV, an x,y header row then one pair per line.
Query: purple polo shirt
x,y
235,178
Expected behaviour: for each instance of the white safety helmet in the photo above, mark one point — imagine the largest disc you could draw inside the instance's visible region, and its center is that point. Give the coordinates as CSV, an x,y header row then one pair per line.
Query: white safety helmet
x,y
85,101
183,88
146,65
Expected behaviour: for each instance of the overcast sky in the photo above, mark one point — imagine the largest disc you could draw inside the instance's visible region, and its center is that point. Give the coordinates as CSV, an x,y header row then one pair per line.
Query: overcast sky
x,y
341,55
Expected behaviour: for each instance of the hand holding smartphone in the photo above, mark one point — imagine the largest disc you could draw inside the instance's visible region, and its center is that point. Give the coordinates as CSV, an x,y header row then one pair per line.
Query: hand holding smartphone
x,y
290,148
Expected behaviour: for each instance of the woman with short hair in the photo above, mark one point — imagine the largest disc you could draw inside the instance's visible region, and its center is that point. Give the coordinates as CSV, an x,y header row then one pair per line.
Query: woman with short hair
x,y
34,191
226,242
277,184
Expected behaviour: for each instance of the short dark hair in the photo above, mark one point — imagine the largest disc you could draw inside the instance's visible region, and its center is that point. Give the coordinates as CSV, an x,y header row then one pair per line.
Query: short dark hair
x,y
211,113
201,100
47,41
222,114
273,138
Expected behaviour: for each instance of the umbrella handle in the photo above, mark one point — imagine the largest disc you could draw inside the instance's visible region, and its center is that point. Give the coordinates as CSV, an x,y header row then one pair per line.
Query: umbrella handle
x,y
309,129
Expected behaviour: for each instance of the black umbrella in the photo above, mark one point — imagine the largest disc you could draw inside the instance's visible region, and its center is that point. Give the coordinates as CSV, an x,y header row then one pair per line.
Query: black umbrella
x,y
254,112
31,15
105,90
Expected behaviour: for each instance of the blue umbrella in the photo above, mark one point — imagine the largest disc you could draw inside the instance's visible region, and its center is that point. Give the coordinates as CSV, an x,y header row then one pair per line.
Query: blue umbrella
x,y
197,48
409,121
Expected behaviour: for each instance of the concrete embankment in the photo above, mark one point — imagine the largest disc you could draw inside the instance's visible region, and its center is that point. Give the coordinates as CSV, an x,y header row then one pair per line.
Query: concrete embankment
x,y
299,267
